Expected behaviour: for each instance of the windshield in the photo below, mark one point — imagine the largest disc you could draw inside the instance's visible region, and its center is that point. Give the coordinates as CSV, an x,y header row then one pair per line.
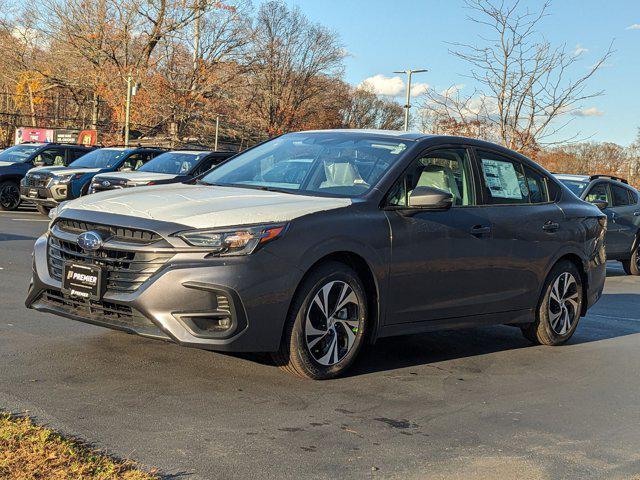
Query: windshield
x,y
328,163
576,186
101,158
18,153
172,162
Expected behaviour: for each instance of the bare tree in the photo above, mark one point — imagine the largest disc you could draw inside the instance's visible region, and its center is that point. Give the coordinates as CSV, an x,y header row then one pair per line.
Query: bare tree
x,y
289,52
368,110
525,85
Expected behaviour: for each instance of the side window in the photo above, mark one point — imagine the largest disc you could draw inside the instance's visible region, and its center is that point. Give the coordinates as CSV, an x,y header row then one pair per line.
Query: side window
x,y
598,193
132,162
537,186
50,157
504,179
633,197
447,169
203,167
620,196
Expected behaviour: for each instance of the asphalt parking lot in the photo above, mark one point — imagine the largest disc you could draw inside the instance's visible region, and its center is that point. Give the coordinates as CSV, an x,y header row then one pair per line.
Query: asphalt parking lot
x,y
479,403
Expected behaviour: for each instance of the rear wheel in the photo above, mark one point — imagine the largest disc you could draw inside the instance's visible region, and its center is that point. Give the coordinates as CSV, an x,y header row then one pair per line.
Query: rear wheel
x,y
559,308
43,209
632,266
9,195
326,325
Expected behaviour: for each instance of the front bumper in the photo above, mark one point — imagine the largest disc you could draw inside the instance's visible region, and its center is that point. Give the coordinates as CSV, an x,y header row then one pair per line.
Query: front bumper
x,y
187,292
46,196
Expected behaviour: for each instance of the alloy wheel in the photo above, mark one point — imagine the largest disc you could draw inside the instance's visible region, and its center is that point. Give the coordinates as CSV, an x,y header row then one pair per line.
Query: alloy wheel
x,y
9,196
332,322
563,303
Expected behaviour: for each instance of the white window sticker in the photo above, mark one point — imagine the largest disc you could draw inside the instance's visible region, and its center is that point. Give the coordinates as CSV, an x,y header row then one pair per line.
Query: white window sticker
x,y
501,179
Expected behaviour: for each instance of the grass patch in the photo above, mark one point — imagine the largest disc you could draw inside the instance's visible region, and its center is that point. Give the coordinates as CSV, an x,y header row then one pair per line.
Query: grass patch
x,y
28,451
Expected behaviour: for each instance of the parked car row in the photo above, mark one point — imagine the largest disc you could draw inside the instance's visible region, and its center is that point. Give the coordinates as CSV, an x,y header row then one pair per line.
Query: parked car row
x,y
47,174
313,244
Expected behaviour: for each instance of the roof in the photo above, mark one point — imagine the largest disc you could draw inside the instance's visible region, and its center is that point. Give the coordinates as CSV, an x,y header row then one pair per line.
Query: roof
x,y
371,131
190,152
570,176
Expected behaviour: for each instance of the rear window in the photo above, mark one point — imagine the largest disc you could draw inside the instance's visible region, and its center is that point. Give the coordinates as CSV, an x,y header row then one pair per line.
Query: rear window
x,y
575,186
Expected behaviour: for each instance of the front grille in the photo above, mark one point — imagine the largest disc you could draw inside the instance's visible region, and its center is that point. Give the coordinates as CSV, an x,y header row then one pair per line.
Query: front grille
x,y
125,270
39,182
110,313
117,233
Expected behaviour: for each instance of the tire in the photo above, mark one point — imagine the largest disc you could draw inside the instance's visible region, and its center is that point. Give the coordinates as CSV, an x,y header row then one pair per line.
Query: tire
x,y
43,210
632,266
9,196
339,338
554,323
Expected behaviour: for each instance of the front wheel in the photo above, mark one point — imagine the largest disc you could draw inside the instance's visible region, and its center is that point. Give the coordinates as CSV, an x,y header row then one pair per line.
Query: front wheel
x,y
9,196
632,266
559,308
326,324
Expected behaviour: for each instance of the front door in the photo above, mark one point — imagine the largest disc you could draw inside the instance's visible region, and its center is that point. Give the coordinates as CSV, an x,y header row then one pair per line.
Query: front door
x,y
441,260
615,242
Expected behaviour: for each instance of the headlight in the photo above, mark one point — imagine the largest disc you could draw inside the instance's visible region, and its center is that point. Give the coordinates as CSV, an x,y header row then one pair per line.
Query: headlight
x,y
238,241
65,178
55,211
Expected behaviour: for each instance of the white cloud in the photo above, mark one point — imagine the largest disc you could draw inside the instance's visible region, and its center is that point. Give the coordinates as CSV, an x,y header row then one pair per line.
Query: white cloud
x,y
382,85
452,90
418,89
635,26
579,50
588,112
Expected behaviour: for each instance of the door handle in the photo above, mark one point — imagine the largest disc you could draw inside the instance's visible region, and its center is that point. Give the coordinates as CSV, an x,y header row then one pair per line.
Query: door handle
x,y
550,226
480,230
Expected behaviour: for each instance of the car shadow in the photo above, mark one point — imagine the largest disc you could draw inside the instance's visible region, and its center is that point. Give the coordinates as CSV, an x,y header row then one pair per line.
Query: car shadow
x,y
414,350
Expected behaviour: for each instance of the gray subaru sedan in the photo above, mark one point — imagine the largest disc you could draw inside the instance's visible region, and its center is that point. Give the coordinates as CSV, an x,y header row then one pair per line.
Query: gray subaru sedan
x,y
311,244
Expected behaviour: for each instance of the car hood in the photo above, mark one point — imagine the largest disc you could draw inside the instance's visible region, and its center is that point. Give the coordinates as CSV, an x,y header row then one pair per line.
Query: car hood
x,y
63,170
137,177
204,206
7,164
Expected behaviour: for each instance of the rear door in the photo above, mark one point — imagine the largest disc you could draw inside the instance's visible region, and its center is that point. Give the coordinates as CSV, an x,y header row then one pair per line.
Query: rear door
x,y
601,192
441,260
526,228
625,218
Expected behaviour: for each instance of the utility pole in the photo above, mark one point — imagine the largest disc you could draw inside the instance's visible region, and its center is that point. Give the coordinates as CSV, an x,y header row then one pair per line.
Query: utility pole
x,y
407,105
215,147
127,111
132,89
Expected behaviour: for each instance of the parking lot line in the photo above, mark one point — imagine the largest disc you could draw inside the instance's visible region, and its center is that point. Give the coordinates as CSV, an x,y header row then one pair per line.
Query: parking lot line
x,y
30,219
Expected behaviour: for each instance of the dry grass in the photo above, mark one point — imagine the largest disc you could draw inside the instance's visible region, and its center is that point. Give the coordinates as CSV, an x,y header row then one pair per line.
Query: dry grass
x,y
28,451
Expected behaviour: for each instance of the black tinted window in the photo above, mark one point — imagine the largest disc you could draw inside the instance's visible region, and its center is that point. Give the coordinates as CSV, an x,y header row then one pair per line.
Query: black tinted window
x,y
633,197
620,196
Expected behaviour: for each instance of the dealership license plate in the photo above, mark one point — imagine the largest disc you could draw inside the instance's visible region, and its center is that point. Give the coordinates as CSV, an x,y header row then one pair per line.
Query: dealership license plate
x,y
82,281
33,193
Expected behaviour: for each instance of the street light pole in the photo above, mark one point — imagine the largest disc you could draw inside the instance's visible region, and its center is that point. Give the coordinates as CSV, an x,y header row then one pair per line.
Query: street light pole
x,y
127,111
407,105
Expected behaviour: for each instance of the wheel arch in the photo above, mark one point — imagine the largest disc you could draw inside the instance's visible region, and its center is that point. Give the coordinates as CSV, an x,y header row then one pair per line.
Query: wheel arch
x,y
365,272
580,265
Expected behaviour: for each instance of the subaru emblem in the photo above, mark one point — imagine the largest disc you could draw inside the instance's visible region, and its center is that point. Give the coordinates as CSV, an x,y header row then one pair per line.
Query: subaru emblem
x,y
90,241
37,177
106,183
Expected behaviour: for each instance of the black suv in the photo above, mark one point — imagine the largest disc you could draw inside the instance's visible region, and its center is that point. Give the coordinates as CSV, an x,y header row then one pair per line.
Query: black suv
x,y
16,161
621,203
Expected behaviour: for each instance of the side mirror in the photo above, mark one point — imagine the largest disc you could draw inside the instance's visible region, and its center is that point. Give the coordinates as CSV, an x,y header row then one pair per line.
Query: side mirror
x,y
601,204
430,198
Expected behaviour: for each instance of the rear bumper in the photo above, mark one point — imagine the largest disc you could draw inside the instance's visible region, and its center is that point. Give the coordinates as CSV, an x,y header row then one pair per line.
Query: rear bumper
x,y
182,297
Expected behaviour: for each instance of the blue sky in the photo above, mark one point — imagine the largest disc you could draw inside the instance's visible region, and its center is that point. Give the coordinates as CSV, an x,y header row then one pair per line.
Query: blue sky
x,y
382,36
